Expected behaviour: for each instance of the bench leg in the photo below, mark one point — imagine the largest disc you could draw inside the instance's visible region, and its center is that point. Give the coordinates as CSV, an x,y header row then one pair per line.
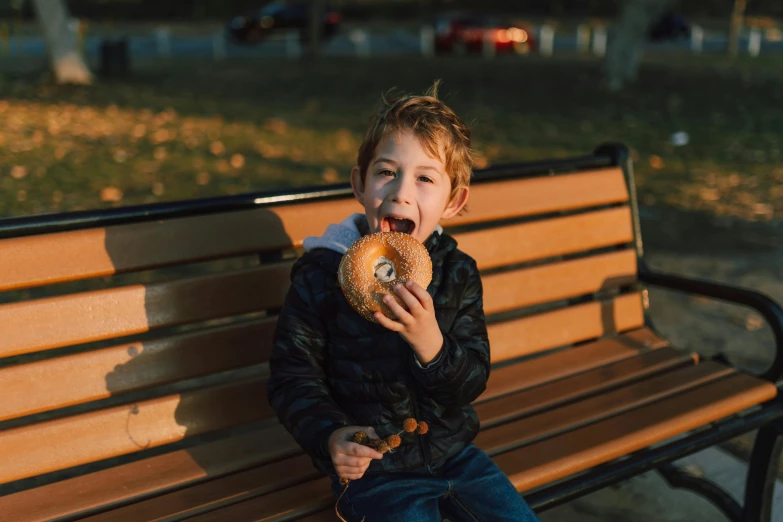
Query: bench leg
x,y
763,472
677,478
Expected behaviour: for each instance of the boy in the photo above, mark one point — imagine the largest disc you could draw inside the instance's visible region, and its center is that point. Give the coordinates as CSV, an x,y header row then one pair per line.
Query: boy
x,y
334,373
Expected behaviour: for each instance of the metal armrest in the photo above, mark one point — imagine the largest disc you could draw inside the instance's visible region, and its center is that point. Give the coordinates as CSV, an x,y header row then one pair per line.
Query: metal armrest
x,y
765,305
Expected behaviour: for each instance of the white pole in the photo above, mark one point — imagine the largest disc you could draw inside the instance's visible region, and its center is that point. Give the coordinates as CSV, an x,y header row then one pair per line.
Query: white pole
x,y
488,44
582,38
293,48
599,41
547,40
163,41
427,36
219,46
697,39
754,42
361,40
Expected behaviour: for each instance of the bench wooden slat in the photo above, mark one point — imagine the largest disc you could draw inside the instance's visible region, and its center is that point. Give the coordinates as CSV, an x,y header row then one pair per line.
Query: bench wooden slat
x,y
563,363
66,256
102,434
75,379
727,392
281,506
82,495
215,494
519,288
528,429
543,195
91,316
551,237
550,394
172,470
564,326
558,457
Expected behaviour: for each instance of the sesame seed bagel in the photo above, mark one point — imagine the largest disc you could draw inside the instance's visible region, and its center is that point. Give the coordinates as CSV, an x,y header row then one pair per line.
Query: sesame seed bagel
x,y
375,263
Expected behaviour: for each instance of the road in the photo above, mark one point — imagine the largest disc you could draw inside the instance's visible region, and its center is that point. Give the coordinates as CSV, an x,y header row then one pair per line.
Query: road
x,y
398,43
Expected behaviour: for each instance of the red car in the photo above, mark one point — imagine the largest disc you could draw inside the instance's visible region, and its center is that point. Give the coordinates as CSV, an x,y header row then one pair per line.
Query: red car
x,y
466,33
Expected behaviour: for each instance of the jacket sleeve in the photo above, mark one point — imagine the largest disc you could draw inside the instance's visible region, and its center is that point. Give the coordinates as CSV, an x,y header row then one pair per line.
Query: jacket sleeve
x,y
459,374
297,388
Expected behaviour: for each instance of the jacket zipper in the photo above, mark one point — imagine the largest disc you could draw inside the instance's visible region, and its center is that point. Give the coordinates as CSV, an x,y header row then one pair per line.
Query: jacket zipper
x,y
425,448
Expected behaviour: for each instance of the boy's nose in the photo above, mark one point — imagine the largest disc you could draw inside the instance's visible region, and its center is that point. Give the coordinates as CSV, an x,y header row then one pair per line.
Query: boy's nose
x,y
403,193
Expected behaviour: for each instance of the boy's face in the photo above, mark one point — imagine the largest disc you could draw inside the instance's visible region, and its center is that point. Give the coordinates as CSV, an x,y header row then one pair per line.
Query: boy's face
x,y
405,189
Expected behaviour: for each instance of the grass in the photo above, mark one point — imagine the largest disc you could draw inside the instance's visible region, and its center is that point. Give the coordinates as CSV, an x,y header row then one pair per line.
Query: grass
x,y
184,129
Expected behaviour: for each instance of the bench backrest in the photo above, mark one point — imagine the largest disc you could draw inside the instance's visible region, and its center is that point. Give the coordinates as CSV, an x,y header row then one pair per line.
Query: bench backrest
x,y
118,339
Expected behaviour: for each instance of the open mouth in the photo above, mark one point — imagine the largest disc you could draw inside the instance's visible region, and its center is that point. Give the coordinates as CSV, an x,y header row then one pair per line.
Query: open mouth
x,y
396,224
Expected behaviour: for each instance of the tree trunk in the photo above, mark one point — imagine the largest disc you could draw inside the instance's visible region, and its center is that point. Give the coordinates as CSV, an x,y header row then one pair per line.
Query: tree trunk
x,y
68,64
316,27
627,46
735,28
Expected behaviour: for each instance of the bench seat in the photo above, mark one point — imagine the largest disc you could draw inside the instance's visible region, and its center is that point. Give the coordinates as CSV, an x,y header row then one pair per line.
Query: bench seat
x,y
135,348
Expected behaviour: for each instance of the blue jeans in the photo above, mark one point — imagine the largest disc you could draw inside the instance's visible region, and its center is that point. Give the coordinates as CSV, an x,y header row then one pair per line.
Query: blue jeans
x,y
467,487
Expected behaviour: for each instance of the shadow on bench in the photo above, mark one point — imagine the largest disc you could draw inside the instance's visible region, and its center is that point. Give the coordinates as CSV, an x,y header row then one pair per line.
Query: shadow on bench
x,y
134,347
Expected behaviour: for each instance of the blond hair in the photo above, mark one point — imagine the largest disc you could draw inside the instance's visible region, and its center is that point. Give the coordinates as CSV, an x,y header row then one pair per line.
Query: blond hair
x,y
437,127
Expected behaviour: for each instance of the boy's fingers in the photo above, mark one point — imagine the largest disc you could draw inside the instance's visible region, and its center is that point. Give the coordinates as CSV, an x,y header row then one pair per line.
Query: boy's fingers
x,y
358,450
423,297
370,431
349,461
401,313
387,323
341,470
410,300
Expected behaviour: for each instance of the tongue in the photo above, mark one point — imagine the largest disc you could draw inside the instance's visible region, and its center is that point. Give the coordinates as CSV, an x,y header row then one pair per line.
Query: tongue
x,y
400,225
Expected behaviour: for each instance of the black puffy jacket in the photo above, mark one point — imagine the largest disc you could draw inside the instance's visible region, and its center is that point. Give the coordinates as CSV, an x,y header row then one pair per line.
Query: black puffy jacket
x,y
331,368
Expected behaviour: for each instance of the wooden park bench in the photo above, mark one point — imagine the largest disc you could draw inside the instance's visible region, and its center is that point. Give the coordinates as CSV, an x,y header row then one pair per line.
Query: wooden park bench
x,y
134,341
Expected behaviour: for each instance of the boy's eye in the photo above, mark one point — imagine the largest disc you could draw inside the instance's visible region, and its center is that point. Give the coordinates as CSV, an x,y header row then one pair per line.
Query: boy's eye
x,y
425,179
386,172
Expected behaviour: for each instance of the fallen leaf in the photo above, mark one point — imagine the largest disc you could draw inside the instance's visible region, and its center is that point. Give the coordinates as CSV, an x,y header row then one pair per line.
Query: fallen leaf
x,y
753,322
709,194
656,161
217,148
277,125
18,171
111,194
237,161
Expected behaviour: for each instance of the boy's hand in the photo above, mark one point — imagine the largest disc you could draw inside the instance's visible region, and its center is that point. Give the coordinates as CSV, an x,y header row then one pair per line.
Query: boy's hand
x,y
417,325
350,459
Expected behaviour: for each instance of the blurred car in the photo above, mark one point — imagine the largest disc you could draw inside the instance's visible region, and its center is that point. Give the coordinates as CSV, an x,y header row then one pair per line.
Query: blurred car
x,y
466,32
670,26
255,26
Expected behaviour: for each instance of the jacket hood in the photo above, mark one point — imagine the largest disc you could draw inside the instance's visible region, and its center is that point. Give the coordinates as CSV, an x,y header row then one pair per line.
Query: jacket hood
x,y
340,236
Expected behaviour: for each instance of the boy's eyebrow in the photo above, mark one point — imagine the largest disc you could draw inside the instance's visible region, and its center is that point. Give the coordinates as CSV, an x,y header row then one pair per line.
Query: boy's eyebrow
x,y
392,162
384,160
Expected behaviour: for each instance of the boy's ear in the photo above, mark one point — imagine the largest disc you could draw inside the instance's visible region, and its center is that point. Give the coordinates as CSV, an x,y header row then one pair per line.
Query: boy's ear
x,y
456,203
357,184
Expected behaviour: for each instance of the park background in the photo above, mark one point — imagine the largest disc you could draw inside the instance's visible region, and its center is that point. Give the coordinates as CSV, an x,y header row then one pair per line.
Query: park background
x,y
195,116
